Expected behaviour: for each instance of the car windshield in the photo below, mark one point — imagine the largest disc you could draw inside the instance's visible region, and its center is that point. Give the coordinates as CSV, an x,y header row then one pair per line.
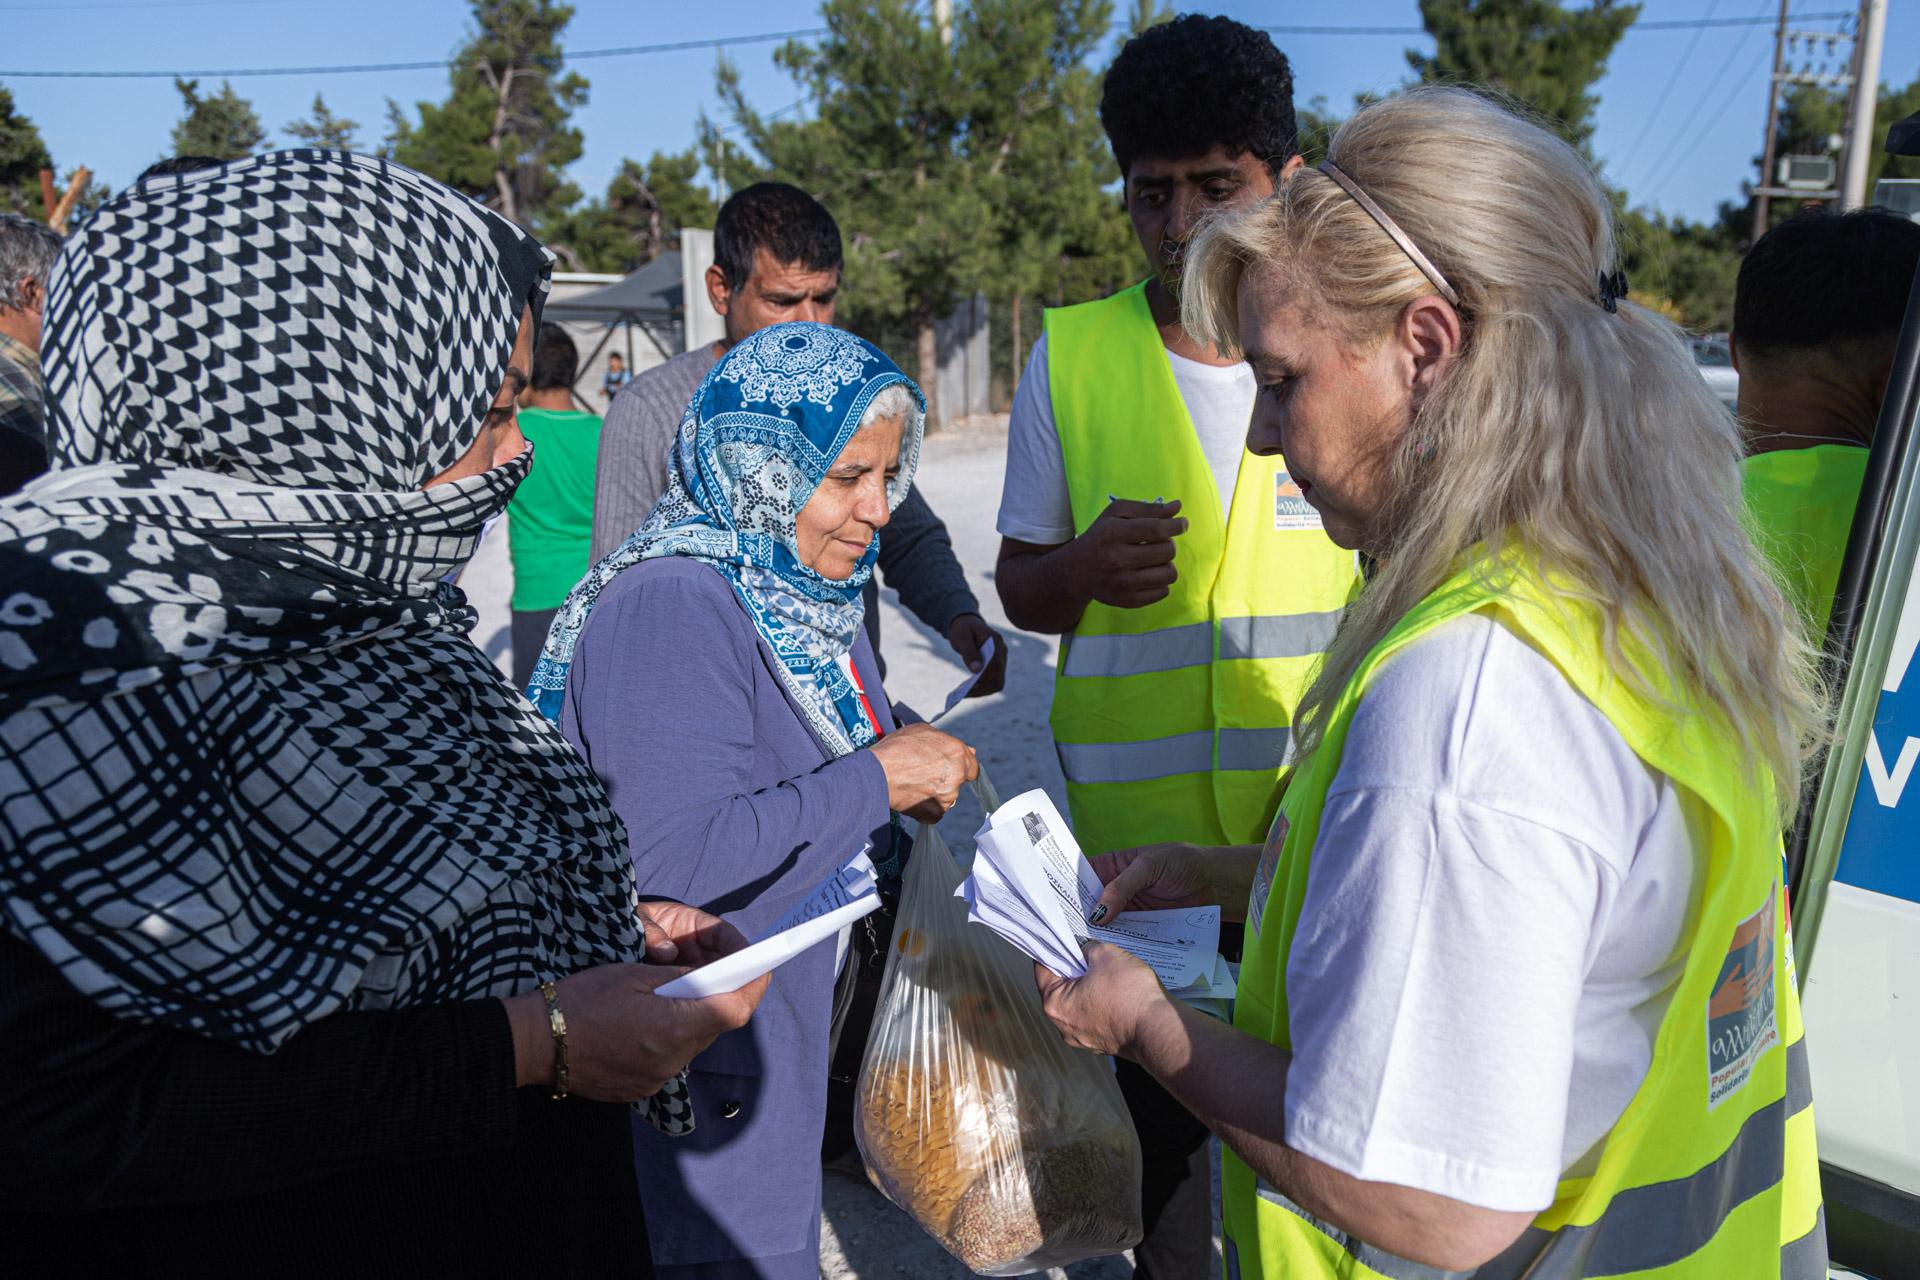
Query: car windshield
x,y
1712,352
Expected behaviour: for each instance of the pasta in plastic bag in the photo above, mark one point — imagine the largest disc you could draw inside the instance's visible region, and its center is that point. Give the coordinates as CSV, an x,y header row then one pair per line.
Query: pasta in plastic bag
x,y
1011,1149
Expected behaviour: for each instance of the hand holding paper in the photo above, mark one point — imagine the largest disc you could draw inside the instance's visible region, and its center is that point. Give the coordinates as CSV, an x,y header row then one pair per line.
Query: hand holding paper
x,y
1031,886
965,687
842,898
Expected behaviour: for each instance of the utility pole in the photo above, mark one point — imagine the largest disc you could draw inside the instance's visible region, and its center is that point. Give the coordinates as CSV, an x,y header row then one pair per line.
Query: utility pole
x,y
1866,96
1760,195
1860,82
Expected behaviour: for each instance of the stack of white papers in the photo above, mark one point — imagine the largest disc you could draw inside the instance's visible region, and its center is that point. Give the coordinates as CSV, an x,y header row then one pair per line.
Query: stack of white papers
x,y
841,899
1031,886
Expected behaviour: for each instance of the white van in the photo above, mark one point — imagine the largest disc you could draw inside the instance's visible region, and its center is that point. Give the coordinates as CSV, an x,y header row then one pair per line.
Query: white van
x,y
1854,866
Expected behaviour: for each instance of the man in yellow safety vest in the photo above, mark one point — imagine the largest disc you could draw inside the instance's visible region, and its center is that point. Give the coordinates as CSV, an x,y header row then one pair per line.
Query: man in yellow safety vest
x,y
1192,585
1816,315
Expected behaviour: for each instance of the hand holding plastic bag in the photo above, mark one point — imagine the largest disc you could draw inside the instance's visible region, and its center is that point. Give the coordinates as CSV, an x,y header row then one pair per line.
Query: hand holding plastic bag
x,y
1012,1150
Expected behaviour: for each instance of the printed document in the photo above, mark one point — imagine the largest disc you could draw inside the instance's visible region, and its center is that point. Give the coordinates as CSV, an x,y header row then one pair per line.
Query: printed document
x,y
1031,886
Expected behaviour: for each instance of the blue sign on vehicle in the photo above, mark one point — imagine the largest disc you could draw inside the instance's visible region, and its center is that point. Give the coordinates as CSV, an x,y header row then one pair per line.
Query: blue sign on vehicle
x,y
1882,849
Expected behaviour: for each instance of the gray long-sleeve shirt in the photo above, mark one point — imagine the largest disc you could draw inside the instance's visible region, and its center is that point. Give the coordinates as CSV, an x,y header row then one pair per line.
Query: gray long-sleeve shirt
x,y
916,554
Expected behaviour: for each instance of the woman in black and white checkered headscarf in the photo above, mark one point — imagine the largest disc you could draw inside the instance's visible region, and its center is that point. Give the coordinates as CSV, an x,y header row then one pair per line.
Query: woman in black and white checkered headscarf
x,y
254,777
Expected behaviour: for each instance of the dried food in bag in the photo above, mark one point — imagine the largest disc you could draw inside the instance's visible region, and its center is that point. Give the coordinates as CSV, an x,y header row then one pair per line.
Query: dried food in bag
x,y
1011,1149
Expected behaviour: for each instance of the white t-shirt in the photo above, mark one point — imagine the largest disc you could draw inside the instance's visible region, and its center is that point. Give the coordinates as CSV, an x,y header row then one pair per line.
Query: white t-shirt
x,y
1491,932
1035,505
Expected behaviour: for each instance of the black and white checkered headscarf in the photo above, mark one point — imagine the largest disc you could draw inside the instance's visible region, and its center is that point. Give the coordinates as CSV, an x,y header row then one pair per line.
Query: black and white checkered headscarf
x,y
252,770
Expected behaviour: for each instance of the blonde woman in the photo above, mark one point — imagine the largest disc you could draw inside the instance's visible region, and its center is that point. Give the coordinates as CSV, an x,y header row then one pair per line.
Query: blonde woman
x,y
1517,996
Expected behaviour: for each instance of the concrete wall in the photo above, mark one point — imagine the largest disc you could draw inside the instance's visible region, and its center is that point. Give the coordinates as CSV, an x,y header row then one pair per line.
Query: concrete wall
x,y
966,367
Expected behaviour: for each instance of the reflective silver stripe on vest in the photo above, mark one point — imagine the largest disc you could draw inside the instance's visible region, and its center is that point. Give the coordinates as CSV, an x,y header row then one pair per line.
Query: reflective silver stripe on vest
x,y
1391,1265
1661,1223
1292,635
1168,649
1806,1258
1644,1227
1278,635
1263,749
1088,762
1799,1079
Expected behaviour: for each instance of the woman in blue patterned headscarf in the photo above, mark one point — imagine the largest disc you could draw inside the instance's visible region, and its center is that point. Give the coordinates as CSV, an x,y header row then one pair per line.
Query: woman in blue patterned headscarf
x,y
714,672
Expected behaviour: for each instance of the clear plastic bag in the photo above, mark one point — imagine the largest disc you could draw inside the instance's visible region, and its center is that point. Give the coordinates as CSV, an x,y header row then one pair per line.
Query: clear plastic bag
x,y
1012,1150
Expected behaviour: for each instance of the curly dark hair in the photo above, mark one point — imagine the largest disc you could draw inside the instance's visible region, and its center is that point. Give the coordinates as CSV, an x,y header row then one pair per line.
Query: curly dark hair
x,y
1196,83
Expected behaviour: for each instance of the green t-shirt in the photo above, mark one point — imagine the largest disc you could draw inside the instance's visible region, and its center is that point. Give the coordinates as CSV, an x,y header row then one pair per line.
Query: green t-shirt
x,y
550,520
1801,502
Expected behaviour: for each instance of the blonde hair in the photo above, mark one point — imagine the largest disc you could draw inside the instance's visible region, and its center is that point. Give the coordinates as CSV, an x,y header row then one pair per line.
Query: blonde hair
x,y
1583,439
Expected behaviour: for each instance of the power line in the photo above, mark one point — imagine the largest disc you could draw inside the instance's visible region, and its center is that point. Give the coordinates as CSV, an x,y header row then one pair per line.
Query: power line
x,y
626,51
130,4
432,64
1726,105
1653,116
1658,172
1655,24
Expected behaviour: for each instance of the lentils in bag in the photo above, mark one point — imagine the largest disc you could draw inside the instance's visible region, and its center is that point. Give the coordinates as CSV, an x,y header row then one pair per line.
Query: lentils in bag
x,y
1011,1149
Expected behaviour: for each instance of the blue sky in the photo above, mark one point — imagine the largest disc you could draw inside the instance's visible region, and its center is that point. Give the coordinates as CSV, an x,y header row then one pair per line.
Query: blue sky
x,y
1680,113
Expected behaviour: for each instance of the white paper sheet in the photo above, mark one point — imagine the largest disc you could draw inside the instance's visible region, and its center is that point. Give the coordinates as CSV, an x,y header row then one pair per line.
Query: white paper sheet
x,y
1221,984
730,973
1214,996
1031,886
1180,944
965,687
842,898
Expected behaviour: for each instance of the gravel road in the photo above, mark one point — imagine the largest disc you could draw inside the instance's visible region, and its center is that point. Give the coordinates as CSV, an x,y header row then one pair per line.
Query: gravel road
x,y
862,1235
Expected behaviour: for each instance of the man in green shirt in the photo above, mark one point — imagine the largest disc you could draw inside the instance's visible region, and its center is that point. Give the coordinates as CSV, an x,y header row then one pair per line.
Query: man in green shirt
x,y
550,520
1816,316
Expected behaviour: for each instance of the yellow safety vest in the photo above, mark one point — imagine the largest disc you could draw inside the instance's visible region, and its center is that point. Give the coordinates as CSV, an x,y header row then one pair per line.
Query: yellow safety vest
x,y
1801,503
1710,1172
1172,721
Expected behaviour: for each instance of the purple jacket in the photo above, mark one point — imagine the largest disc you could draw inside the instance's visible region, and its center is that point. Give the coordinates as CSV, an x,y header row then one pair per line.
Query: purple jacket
x,y
733,805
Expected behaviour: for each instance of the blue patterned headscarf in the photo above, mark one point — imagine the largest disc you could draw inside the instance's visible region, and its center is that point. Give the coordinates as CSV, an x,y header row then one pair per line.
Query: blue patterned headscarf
x,y
758,438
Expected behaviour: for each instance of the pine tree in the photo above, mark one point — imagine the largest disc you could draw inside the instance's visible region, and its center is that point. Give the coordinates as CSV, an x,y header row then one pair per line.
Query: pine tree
x,y
639,218
223,126
502,135
956,162
1683,267
1147,13
22,156
1543,55
324,129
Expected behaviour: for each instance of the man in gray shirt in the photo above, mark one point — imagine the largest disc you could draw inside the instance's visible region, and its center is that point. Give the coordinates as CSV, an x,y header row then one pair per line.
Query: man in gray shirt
x,y
27,251
777,258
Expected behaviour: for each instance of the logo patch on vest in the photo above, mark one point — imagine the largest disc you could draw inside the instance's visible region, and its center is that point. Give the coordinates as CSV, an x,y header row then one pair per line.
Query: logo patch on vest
x,y
1291,511
1740,1024
1264,872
